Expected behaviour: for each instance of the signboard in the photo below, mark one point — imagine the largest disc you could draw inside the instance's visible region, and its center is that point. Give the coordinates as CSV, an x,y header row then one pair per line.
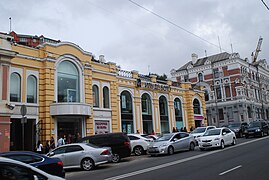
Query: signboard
x,y
153,86
101,127
23,110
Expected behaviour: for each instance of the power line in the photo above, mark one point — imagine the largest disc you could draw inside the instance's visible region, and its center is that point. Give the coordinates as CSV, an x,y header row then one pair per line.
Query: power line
x,y
174,24
265,4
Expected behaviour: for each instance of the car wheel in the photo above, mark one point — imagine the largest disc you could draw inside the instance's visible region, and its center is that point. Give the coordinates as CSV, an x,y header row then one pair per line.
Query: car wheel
x,y
87,164
233,143
192,146
170,150
138,150
115,158
222,144
202,149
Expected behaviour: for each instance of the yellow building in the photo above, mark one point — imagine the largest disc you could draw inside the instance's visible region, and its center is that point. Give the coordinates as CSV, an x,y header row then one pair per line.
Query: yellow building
x,y
67,91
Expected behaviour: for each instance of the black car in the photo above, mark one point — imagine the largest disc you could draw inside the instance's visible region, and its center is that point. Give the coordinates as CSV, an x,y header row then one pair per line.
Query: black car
x,y
238,128
52,166
257,128
118,142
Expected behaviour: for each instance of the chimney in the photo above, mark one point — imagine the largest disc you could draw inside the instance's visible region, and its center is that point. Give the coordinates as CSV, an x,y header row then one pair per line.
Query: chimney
x,y
194,58
102,58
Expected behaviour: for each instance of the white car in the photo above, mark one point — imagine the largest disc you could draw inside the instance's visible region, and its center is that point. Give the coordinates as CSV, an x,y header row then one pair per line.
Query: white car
x,y
12,169
199,131
139,144
218,137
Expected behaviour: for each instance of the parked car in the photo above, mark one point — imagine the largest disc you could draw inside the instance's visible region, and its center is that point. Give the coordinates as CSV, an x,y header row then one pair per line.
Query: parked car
x,y
257,128
150,136
218,137
82,155
52,166
170,143
139,144
199,131
12,169
118,142
238,128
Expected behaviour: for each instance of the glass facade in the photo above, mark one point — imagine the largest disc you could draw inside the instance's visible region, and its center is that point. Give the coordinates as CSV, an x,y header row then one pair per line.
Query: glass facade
x,y
68,82
15,87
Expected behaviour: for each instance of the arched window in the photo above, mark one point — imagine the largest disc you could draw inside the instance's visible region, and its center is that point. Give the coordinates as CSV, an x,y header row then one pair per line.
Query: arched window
x,y
147,113
68,82
146,104
163,106
95,94
126,102
126,112
178,113
105,97
200,77
31,89
15,87
196,107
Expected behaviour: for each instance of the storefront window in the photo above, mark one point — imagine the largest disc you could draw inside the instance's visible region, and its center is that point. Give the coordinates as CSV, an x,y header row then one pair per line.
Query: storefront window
x,y
15,87
95,93
68,82
31,89
126,112
147,114
106,97
164,115
178,113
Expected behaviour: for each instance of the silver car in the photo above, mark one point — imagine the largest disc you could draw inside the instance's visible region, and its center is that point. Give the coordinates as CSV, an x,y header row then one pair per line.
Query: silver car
x,y
85,156
170,143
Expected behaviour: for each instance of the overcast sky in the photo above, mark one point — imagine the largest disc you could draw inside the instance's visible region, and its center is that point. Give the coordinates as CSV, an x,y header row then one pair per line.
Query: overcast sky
x,y
134,38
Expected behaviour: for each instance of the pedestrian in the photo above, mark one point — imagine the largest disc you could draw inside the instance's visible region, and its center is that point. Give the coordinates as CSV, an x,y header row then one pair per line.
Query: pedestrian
x,y
152,132
181,129
78,137
191,129
52,143
184,129
60,141
174,130
39,147
69,139
177,129
47,147
137,132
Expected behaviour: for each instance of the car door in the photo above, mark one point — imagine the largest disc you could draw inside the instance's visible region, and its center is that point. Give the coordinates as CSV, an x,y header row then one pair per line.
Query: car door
x,y
226,136
74,154
59,153
184,141
175,141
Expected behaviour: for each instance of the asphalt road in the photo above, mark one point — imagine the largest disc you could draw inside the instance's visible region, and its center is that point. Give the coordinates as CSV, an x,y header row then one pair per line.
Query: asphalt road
x,y
248,160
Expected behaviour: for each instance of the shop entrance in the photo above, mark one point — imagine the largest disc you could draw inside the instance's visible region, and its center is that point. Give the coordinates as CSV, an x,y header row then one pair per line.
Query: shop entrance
x,y
70,128
16,135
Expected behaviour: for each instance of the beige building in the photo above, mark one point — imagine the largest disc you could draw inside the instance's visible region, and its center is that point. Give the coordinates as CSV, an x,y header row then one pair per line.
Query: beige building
x,y
67,91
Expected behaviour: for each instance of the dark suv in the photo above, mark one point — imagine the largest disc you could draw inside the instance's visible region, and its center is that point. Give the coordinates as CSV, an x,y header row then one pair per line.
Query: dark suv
x,y
257,128
238,128
118,142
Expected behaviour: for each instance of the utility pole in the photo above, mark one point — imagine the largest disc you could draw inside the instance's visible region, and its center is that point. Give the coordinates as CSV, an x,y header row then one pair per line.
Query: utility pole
x,y
10,24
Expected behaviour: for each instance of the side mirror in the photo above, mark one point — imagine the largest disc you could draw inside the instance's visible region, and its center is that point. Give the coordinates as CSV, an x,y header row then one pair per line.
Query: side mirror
x,y
224,133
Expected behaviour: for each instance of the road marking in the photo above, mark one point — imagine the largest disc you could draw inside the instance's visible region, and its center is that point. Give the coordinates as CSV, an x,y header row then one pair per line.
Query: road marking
x,y
179,161
230,170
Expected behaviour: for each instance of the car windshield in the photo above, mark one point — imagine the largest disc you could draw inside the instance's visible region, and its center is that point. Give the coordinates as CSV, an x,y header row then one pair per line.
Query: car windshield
x,y
199,130
254,124
212,132
234,125
92,145
164,137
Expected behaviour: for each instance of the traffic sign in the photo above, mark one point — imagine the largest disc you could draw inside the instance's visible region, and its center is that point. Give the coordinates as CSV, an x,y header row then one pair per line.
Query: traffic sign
x,y
23,110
